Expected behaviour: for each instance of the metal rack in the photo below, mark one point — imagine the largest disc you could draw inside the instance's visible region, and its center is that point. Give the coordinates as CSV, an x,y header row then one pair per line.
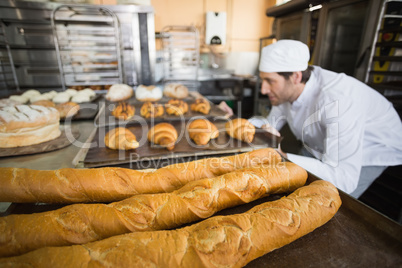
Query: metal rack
x,y
385,63
88,45
8,77
181,55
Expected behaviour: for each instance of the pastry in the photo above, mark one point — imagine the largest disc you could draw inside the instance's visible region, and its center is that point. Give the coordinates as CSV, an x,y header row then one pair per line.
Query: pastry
x,y
9,102
163,134
176,91
61,97
24,125
46,103
19,98
151,110
68,185
68,109
123,111
201,105
30,93
201,131
121,138
148,93
240,129
220,241
119,92
176,107
148,212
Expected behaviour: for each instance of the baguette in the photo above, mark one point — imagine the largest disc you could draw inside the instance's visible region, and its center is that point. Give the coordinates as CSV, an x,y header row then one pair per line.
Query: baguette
x,y
220,241
110,184
84,223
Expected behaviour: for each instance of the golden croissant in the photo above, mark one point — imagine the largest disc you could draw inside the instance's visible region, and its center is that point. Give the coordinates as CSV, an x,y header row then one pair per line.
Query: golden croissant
x,y
176,107
151,110
201,131
121,139
201,105
163,134
240,129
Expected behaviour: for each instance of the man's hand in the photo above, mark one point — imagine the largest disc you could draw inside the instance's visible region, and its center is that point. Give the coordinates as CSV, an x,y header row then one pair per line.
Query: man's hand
x,y
270,129
224,107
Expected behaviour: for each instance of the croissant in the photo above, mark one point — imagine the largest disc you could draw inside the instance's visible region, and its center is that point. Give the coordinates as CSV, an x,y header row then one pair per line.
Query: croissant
x,y
163,134
176,107
201,131
151,110
201,105
121,139
240,129
123,111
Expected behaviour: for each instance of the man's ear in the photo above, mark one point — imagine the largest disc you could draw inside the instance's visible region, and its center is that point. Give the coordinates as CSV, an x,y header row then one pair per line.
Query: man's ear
x,y
297,77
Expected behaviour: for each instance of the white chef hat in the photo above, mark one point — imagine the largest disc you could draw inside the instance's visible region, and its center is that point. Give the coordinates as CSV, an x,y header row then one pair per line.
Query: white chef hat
x,y
284,56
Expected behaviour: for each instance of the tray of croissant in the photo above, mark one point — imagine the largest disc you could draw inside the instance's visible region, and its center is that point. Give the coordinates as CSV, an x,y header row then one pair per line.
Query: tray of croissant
x,y
133,111
115,145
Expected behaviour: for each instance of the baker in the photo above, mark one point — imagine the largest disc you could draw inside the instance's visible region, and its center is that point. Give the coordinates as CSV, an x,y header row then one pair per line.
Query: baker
x,y
350,133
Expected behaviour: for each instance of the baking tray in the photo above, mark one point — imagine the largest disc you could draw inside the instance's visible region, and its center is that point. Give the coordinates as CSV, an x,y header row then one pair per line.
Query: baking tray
x,y
357,236
88,110
105,117
100,155
67,136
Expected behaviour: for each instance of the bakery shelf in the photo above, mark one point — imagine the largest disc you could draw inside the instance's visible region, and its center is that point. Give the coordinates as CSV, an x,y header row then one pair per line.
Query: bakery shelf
x,y
88,45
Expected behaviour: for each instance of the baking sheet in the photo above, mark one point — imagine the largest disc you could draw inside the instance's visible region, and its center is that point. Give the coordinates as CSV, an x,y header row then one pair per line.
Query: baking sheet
x,y
67,136
100,155
105,117
357,236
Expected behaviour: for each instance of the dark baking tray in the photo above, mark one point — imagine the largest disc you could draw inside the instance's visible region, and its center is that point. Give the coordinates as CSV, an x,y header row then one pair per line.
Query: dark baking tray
x,y
105,117
100,155
357,236
88,110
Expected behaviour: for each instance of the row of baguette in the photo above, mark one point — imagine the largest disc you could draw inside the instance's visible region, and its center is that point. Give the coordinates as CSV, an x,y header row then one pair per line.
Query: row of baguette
x,y
201,131
133,231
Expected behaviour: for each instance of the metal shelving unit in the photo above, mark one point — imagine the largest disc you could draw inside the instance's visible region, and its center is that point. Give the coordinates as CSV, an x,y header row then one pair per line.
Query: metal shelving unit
x,y
88,45
8,78
181,55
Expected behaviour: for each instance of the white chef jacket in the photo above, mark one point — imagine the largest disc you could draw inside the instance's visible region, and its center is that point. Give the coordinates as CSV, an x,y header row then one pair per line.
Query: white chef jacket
x,y
344,124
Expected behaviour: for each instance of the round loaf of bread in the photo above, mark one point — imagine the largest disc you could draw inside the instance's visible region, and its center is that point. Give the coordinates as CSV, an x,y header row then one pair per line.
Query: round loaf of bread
x,y
119,92
148,93
24,125
176,91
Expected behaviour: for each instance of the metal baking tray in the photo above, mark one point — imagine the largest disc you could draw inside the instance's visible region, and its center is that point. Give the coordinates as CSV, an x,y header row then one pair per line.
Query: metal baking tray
x,y
105,118
100,155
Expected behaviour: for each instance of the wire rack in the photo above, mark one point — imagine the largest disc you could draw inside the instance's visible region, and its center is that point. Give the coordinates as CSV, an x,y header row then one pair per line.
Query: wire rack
x,y
181,55
88,45
8,77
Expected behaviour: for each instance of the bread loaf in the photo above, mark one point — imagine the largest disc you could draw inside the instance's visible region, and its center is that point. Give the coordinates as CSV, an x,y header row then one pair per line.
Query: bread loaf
x,y
148,93
121,138
240,129
220,241
24,125
119,92
163,134
110,184
176,91
68,109
194,201
201,131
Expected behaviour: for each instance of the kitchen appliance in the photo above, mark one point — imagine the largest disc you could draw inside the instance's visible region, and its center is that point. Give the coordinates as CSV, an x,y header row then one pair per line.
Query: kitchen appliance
x,y
28,49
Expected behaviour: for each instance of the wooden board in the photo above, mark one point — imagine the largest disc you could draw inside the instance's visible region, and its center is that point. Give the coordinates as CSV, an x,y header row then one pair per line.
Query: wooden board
x,y
100,155
68,135
105,117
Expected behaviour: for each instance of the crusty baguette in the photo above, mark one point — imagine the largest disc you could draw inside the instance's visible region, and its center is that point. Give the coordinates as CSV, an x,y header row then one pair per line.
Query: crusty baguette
x,y
110,184
84,223
221,241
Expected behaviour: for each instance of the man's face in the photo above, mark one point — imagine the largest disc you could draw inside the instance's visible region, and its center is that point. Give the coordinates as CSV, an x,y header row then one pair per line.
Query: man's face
x,y
278,89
